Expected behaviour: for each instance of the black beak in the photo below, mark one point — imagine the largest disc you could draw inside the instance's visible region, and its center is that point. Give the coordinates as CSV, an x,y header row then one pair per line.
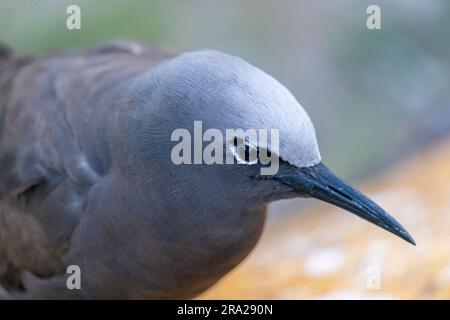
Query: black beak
x,y
320,182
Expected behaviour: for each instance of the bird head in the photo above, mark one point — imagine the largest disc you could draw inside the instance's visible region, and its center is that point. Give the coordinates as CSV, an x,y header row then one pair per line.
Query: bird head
x,y
217,91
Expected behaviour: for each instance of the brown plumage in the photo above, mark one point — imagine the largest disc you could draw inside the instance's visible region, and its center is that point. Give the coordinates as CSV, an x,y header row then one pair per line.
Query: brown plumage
x,y
25,245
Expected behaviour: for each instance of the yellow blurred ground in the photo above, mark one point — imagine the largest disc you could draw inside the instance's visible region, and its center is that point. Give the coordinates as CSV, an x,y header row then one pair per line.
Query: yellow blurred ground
x,y
327,253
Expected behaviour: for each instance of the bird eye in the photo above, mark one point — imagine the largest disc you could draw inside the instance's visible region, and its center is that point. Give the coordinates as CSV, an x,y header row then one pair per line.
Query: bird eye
x,y
244,152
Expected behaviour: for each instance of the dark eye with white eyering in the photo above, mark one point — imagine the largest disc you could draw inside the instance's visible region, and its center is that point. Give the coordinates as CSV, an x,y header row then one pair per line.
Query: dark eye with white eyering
x,y
244,152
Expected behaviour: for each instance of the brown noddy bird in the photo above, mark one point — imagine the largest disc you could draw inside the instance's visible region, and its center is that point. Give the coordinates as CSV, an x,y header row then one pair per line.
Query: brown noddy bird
x,y
87,179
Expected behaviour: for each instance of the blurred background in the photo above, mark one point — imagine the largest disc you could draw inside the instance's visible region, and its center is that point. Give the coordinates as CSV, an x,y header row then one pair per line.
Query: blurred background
x,y
380,102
